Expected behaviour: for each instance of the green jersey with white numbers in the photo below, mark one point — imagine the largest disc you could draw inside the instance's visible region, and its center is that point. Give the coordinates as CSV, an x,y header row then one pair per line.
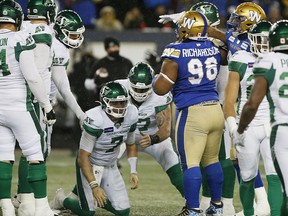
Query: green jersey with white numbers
x,y
14,91
274,67
242,62
109,135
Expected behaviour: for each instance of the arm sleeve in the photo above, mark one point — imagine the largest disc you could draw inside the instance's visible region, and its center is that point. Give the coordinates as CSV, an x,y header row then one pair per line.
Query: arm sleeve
x,y
130,138
42,55
60,79
33,78
87,142
222,80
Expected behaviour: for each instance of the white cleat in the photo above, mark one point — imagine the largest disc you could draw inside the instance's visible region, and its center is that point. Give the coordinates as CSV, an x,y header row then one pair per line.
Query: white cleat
x,y
57,202
27,205
43,208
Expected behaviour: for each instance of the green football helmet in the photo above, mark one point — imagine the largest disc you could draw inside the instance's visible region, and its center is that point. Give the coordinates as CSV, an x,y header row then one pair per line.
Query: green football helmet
x,y
11,12
209,10
258,36
69,28
277,38
41,9
114,98
140,78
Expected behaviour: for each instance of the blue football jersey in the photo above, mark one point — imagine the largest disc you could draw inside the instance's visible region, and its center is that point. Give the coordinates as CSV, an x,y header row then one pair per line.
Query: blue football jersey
x,y
198,66
237,43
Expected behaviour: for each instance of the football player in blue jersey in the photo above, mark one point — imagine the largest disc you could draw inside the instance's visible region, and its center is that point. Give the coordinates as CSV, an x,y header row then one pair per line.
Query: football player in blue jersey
x,y
190,68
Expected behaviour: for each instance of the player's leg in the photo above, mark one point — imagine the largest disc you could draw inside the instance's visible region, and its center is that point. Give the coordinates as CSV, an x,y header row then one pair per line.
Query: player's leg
x,y
274,185
31,140
115,189
83,204
229,174
190,144
228,182
7,145
279,150
24,191
210,161
165,155
248,157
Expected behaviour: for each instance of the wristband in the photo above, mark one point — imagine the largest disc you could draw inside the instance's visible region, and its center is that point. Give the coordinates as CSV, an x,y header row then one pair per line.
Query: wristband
x,y
154,139
93,184
133,164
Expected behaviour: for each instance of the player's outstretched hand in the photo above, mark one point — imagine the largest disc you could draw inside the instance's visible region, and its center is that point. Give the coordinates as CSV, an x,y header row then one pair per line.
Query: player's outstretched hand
x,y
170,17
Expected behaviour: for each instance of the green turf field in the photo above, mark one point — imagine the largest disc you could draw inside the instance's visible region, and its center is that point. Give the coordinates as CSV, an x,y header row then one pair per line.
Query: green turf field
x,y
154,197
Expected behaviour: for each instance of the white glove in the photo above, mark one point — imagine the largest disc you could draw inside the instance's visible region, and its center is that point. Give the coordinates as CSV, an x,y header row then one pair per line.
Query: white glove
x,y
238,139
170,17
49,116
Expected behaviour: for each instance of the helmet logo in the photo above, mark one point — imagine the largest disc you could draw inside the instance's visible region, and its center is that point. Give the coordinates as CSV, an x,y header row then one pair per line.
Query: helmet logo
x,y
254,16
105,90
282,41
188,23
204,9
63,21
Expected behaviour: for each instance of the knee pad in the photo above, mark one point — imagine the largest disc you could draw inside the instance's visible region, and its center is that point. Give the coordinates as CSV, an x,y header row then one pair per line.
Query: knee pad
x,y
32,150
168,159
248,175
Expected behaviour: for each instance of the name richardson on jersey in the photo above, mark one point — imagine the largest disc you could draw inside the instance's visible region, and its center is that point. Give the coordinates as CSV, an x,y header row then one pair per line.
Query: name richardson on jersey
x,y
196,52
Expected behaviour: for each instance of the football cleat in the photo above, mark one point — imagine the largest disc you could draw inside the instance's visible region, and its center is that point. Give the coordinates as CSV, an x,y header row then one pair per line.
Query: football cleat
x,y
214,209
57,202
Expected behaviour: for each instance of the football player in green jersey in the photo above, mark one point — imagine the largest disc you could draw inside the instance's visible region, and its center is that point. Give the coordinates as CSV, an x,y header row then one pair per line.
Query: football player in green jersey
x,y
270,73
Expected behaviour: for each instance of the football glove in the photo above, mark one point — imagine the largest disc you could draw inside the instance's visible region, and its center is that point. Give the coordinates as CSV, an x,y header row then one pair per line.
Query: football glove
x,y
49,117
238,139
170,17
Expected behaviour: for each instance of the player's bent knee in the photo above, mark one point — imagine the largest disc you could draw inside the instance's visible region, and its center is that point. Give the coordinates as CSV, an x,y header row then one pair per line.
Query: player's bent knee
x,y
206,162
248,175
32,150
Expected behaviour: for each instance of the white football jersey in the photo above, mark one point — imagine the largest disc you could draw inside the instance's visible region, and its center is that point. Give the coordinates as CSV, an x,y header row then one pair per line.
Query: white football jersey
x,y
61,59
14,91
243,62
109,135
42,34
274,67
147,122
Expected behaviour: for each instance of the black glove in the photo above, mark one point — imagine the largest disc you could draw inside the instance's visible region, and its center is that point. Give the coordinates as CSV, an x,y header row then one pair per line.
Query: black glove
x,y
49,117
